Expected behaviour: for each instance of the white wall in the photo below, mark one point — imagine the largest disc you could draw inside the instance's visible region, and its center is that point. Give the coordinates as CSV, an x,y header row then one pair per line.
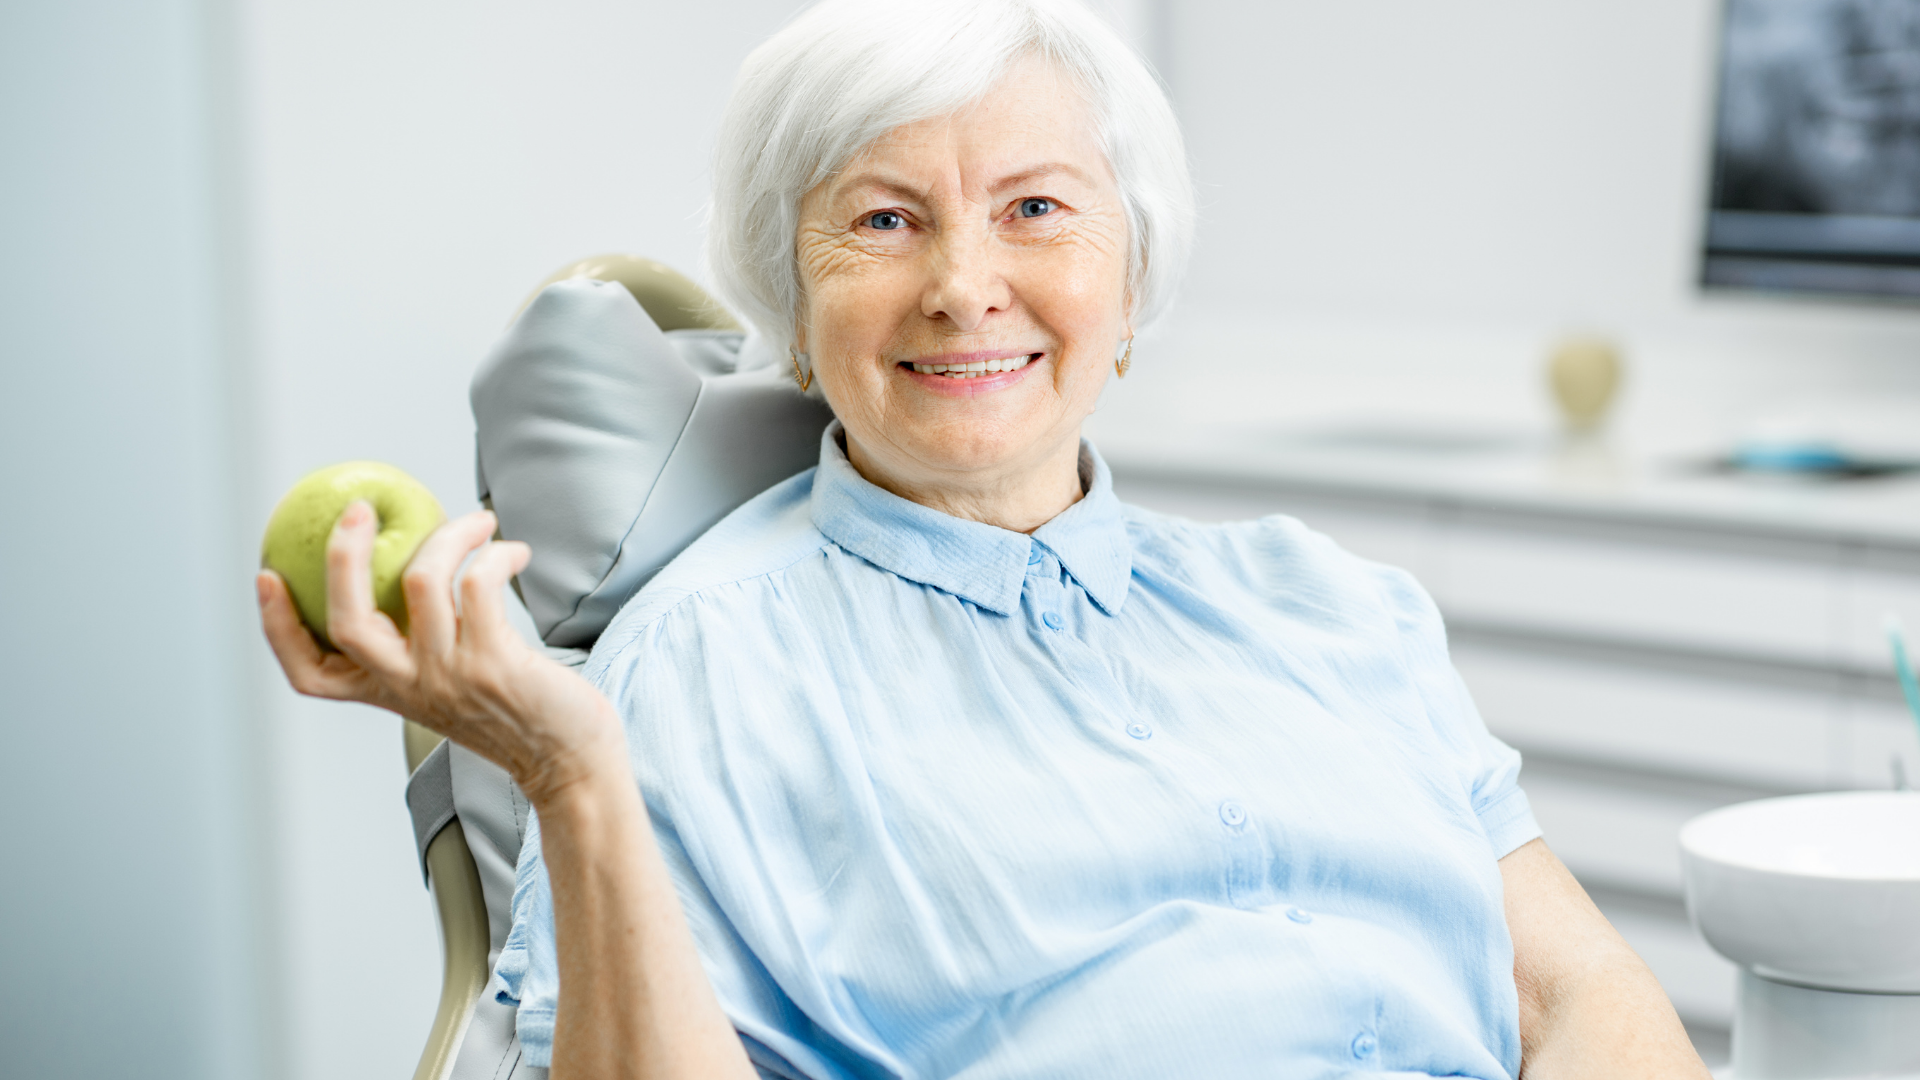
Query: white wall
x,y
1405,201
131,897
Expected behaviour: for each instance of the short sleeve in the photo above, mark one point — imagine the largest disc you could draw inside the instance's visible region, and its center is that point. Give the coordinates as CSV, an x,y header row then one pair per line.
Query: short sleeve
x,y
1488,768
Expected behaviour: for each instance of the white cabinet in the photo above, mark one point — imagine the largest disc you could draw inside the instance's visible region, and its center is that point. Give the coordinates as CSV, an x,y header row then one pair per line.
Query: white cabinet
x,y
1875,583
1648,670
1877,740
1635,714
1709,593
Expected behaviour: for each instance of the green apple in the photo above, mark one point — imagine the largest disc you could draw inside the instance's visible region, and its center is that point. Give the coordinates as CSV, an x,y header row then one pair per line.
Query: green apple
x,y
295,546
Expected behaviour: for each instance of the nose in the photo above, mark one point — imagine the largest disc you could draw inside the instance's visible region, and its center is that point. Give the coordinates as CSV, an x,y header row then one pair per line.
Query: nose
x,y
967,285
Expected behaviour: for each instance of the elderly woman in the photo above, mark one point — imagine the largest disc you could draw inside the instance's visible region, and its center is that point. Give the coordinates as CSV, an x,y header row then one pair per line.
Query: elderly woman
x,y
937,759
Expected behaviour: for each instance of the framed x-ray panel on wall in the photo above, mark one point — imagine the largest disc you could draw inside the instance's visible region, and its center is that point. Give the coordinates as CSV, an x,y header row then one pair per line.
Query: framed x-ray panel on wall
x,y
1816,154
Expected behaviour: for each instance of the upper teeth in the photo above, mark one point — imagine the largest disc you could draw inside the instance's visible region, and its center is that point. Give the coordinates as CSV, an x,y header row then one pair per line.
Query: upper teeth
x,y
978,367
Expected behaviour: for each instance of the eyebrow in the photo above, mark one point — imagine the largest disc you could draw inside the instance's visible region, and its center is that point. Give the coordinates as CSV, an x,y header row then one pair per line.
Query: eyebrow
x,y
873,181
880,181
1041,172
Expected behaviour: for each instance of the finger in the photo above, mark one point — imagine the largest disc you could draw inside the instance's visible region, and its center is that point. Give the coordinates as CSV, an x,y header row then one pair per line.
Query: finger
x,y
428,581
483,615
299,654
365,634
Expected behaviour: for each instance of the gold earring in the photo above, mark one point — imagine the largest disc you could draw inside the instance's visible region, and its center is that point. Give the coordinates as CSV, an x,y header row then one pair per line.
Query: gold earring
x,y
803,382
1126,360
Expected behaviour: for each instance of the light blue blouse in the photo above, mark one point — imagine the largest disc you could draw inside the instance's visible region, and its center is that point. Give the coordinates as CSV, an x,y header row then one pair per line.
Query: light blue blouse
x,y
1130,797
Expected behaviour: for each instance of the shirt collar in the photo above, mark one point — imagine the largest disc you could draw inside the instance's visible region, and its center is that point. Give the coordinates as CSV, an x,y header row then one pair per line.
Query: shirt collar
x,y
982,564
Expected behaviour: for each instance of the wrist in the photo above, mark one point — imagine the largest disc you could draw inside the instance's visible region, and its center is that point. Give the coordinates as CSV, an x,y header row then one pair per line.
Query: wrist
x,y
584,772
586,806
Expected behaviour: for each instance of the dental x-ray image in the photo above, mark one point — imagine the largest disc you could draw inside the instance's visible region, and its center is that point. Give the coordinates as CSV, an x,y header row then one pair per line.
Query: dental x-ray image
x,y
1816,177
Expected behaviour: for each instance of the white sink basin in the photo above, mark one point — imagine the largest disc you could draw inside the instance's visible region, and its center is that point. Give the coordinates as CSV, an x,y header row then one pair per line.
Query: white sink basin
x,y
1817,890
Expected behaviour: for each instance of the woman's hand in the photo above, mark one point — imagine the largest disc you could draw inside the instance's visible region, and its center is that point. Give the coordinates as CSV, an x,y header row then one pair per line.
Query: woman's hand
x,y
462,670
634,1000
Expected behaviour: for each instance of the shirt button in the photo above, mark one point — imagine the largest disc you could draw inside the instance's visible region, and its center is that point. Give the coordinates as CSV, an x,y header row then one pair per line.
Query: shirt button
x,y
1053,620
1033,554
1364,1044
1300,915
1139,730
1233,813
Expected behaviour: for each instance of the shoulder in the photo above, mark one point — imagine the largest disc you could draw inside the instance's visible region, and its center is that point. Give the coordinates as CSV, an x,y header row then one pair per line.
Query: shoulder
x,y
1277,557
1276,547
767,534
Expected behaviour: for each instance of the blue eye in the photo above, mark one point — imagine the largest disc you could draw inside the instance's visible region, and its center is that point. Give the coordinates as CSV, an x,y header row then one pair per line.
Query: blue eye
x,y
1036,207
886,221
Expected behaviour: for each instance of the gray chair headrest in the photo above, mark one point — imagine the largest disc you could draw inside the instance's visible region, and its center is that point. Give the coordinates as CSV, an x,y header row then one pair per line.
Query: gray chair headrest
x,y
609,446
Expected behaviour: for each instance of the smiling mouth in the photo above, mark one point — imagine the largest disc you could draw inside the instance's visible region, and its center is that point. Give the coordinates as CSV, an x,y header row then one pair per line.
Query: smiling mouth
x,y
975,369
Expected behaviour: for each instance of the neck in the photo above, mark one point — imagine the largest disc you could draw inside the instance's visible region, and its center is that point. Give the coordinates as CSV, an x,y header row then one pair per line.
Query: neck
x,y
1019,497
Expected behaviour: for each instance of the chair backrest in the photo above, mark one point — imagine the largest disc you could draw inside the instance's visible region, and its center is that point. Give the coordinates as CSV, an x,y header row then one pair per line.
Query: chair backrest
x,y
609,444
622,414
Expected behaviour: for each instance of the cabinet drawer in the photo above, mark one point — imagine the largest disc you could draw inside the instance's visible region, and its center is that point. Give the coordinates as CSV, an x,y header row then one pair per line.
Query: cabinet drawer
x,y
1722,596
1675,720
1198,500
1874,733
1878,584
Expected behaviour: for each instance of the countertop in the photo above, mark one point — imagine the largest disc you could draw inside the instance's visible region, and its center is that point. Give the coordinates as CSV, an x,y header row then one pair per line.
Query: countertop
x,y
1516,471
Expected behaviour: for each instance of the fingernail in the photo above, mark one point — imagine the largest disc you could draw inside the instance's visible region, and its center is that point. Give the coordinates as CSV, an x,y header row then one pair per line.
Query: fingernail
x,y
356,514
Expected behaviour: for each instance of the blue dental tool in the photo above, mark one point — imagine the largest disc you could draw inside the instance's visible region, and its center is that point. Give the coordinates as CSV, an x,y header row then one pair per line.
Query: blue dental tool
x,y
1897,637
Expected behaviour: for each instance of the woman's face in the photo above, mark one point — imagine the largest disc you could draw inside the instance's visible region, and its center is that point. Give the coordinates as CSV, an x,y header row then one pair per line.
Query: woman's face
x,y
994,236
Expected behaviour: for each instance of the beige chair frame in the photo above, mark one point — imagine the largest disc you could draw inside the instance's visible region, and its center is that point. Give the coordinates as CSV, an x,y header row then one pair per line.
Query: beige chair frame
x,y
462,909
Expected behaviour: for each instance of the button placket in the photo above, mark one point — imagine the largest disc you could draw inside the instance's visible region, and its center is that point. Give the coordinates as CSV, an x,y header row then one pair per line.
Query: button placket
x,y
1246,859
1247,853
1042,585
1044,589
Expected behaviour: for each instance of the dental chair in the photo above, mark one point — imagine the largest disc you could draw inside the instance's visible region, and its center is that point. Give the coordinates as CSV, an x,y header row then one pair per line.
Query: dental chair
x,y
623,413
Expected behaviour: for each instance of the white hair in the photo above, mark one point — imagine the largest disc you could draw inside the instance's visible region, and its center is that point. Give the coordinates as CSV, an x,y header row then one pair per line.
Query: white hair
x,y
845,72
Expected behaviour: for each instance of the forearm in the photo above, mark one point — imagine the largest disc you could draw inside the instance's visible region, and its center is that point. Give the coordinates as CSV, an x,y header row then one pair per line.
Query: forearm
x,y
634,999
1588,1005
1611,1020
